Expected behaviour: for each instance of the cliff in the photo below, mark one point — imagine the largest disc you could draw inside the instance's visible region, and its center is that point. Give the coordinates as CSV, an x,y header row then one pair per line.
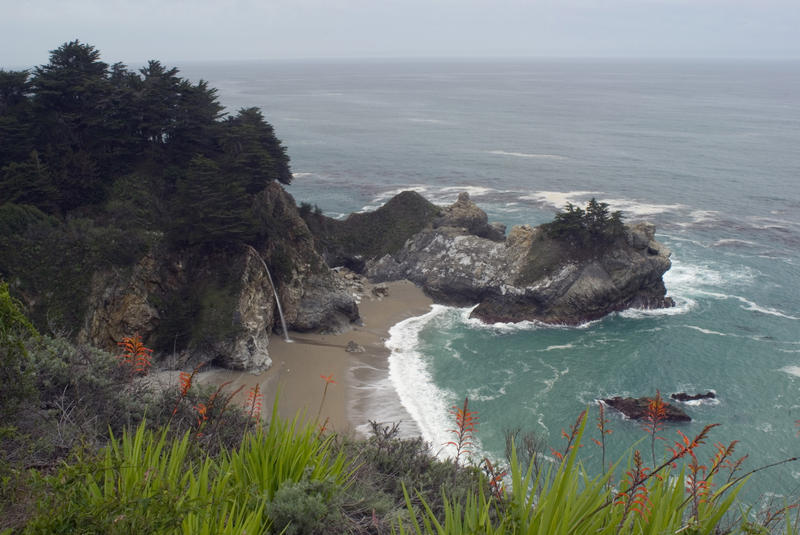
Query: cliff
x,y
218,306
528,276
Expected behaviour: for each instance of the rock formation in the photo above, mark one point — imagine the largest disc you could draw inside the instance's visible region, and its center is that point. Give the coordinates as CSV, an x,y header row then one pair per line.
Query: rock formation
x,y
219,307
683,397
460,260
636,409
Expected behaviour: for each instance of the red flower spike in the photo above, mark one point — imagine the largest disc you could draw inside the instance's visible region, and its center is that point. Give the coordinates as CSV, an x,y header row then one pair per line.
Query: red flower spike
x,y
466,422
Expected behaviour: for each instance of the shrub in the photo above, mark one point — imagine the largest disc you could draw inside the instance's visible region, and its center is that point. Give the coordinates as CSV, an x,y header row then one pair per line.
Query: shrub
x,y
15,370
306,507
591,227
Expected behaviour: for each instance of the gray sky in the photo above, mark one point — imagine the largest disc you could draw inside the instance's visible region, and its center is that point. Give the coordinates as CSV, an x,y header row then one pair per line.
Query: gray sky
x,y
175,30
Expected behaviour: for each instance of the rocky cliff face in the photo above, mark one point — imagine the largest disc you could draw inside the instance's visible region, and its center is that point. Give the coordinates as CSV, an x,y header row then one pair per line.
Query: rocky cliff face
x,y
219,307
529,276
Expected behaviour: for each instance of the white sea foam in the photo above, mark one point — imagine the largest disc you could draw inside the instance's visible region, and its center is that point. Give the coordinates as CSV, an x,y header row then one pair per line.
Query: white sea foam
x,y
635,208
766,223
559,199
474,191
512,327
550,382
699,402
704,216
705,331
376,400
553,348
750,305
483,393
685,279
409,374
791,370
528,155
386,195
682,306
734,243
629,207
301,175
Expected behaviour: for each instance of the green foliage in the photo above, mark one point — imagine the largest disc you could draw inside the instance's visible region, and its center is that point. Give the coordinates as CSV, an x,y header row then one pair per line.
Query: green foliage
x,y
55,262
28,182
306,507
566,499
252,152
371,234
146,482
120,159
210,209
15,369
591,227
574,235
203,310
216,313
296,451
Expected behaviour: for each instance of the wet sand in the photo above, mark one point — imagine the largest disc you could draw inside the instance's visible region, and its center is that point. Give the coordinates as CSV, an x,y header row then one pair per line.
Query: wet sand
x,y
298,366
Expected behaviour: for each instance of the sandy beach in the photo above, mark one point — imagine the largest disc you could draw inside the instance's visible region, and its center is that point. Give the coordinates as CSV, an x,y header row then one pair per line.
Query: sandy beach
x,y
298,367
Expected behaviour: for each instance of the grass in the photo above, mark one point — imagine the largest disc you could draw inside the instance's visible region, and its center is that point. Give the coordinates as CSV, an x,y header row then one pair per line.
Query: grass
x,y
200,464
147,482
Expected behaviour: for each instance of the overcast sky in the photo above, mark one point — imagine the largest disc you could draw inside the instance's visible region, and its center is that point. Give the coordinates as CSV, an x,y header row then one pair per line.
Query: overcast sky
x,y
177,30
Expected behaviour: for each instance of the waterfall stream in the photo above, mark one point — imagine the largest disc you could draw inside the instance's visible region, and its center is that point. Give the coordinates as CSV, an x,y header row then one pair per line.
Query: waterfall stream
x,y
274,292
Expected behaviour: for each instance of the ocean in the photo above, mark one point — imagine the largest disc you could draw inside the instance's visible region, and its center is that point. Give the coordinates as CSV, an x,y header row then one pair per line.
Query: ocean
x,y
708,151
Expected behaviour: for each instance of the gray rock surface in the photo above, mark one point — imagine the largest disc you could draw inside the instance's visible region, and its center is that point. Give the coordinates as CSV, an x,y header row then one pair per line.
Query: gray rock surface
x,y
529,276
465,214
354,347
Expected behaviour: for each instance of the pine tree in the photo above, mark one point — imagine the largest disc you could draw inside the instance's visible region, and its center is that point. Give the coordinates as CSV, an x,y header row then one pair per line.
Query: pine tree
x,y
211,209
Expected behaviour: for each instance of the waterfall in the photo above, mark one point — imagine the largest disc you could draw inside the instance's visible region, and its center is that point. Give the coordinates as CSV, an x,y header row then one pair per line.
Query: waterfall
x,y
274,292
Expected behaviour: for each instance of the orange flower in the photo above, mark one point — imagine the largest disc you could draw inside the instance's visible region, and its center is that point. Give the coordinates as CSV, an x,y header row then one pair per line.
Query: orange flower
x,y
328,378
135,355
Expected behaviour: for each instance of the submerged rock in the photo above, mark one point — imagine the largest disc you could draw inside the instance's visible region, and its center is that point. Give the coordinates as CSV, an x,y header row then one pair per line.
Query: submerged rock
x,y
637,409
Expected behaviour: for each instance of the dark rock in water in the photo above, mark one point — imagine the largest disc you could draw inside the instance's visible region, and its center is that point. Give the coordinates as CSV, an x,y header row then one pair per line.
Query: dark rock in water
x,y
528,275
636,409
684,397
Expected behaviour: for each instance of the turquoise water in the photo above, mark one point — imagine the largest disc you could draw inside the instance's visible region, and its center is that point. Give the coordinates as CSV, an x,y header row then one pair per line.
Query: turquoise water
x,y
709,152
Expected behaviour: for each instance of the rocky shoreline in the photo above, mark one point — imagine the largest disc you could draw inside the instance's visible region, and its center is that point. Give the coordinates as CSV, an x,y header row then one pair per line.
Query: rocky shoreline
x,y
453,253
461,259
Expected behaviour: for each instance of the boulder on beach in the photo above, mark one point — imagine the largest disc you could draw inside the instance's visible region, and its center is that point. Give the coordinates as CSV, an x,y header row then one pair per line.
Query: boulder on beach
x,y
354,347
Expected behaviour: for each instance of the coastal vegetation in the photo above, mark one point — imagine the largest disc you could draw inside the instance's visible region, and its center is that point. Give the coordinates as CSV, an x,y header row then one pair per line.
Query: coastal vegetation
x,y
88,446
100,167
361,236
100,164
593,226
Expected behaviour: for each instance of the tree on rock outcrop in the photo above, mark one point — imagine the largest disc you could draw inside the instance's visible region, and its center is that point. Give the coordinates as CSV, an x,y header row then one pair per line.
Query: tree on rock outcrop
x,y
590,227
252,150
